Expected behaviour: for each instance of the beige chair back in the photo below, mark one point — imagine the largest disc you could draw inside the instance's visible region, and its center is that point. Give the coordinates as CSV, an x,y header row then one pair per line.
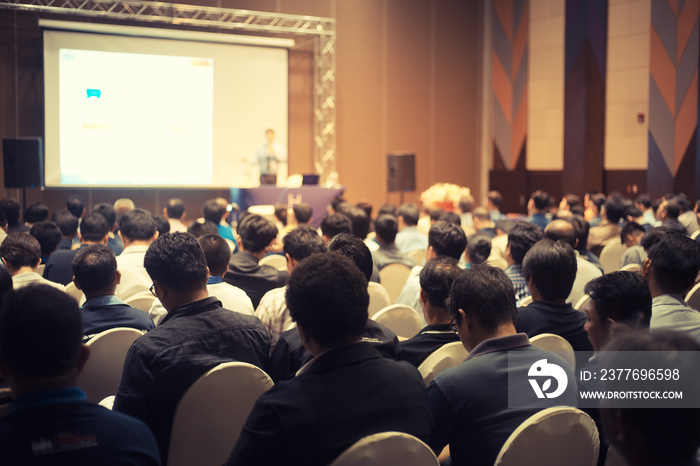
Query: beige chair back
x,y
418,256
695,234
103,370
400,319
632,268
445,357
693,297
74,292
553,437
557,344
526,301
582,304
40,269
611,254
274,260
387,448
614,458
211,413
393,277
142,301
378,298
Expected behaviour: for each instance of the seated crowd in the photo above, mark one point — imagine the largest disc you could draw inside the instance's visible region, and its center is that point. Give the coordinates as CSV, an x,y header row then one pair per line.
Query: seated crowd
x,y
202,293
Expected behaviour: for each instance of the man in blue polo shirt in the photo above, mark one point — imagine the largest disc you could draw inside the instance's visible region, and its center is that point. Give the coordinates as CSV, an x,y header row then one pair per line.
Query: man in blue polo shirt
x,y
49,420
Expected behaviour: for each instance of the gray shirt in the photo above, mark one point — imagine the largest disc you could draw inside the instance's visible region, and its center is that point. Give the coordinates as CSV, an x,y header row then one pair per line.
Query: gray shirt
x,y
669,311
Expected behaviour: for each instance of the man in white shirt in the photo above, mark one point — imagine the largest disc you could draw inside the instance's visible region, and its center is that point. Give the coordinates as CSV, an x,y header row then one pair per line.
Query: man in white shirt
x,y
137,229
21,254
175,213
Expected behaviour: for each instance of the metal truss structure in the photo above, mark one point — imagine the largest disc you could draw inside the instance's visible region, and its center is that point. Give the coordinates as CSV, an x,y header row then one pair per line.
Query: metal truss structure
x,y
322,30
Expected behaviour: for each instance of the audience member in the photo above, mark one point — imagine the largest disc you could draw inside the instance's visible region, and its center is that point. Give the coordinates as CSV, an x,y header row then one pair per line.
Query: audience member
x,y
470,403
96,275
215,212
137,230
272,311
537,208
334,224
631,236
122,206
581,229
670,270
668,212
643,203
299,214
609,227
348,391
114,241
162,224
49,421
465,207
521,238
48,235
68,224
408,237
3,224
386,228
494,199
687,217
21,254
449,217
483,223
478,250
256,237
652,237
12,213
359,221
35,213
195,336
174,211
436,278
594,209
75,205
201,227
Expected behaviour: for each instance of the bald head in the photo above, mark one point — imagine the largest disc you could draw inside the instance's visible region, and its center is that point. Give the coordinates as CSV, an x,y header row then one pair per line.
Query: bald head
x,y
561,230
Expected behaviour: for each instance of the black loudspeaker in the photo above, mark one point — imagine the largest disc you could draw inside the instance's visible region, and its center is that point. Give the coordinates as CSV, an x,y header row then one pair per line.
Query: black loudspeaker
x,y
23,162
401,173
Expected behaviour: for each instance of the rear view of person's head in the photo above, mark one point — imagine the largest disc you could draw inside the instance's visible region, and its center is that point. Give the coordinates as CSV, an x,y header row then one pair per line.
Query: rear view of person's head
x,y
108,212
335,224
175,209
447,239
162,224
67,223
355,249
617,298
615,208
137,225
561,230
436,279
300,243
652,237
581,229
41,331
521,238
327,297
48,235
359,221
302,212
95,270
256,233
631,234
410,213
75,205
94,229
35,213
673,263
386,227
20,250
217,253
479,248
213,211
200,228
122,206
12,209
551,267
176,261
540,200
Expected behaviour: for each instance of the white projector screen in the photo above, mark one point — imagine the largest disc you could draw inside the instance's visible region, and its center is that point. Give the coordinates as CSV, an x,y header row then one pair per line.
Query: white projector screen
x,y
125,111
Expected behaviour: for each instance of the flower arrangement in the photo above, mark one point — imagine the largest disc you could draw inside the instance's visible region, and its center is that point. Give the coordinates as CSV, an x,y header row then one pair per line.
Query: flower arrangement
x,y
443,196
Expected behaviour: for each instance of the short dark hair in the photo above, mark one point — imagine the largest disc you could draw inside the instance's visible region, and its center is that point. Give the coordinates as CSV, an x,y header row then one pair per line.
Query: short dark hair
x,y
623,297
256,232
302,212
360,222
35,213
436,279
572,200
301,242
672,208
94,228
447,239
629,229
175,208
327,296
495,197
485,293
217,253
675,262
581,229
482,214
41,331
683,202
94,267
521,238
137,225
466,202
410,213
67,223
367,207
336,201
386,227
162,224
48,235
615,208
108,212
177,260
387,209
450,217
213,211
12,209
20,250
561,230
281,213
479,248
75,205
199,229
551,265
652,237
355,249
541,199
334,224
644,200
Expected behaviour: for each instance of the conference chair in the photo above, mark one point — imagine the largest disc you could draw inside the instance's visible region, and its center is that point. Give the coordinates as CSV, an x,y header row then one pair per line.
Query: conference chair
x,y
378,298
393,278
418,256
614,458
526,301
693,297
403,320
552,437
40,269
632,268
447,356
387,448
142,300
103,370
274,260
75,293
211,413
582,304
611,254
695,234
556,344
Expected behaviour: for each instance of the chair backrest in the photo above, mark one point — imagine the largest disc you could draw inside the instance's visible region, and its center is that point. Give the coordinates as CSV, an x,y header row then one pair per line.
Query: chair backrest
x,y
632,268
447,356
614,458
400,319
418,256
582,304
142,301
393,278
386,448
552,437
695,234
556,343
73,291
211,413
378,298
40,269
526,301
693,297
103,370
274,260
611,254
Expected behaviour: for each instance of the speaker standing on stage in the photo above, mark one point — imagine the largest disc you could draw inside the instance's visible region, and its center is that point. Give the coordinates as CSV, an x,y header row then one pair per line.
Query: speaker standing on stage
x,y
269,156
